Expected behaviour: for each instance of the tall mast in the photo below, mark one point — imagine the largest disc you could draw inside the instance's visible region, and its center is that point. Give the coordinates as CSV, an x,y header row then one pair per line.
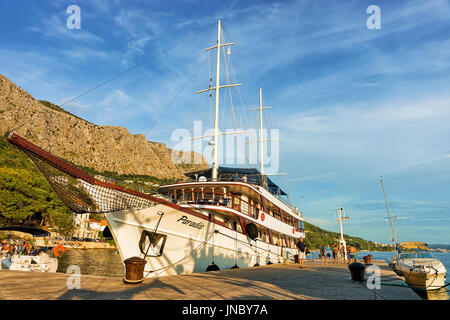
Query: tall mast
x,y
261,141
261,144
389,212
216,134
215,165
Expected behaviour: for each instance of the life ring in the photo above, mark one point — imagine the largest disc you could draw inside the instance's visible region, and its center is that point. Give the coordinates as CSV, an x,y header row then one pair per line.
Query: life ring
x,y
263,216
57,249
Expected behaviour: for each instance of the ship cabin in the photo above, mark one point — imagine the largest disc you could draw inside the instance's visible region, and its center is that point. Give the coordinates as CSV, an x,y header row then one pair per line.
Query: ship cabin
x,y
238,197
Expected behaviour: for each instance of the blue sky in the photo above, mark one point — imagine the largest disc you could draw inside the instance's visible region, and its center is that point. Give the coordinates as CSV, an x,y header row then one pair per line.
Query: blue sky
x,y
352,104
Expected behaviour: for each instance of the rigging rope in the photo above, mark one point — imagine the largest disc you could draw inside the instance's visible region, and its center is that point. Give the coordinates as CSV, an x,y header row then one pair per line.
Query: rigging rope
x,y
138,65
173,100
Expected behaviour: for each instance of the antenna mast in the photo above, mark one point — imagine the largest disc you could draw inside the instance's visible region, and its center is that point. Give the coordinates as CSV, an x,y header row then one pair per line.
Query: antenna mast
x,y
389,212
341,217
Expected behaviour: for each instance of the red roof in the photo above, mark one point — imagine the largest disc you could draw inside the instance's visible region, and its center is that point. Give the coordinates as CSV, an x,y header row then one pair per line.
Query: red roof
x,y
103,222
92,220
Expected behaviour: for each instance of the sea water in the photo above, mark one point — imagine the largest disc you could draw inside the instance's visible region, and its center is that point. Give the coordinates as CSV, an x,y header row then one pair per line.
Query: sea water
x,y
99,262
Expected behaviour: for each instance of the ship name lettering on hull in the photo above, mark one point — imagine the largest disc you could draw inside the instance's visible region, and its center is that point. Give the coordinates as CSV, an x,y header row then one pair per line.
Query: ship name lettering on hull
x,y
185,220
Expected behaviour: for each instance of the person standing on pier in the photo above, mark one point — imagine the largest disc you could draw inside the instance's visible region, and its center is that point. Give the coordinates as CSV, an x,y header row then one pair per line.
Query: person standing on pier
x,y
322,253
301,252
335,254
342,254
352,254
327,250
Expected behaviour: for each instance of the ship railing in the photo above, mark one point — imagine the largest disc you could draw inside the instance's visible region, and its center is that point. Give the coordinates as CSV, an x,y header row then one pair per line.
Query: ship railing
x,y
229,200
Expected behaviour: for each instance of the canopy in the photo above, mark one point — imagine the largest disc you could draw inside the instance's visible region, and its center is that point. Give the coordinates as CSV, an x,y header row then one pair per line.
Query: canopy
x,y
414,245
227,173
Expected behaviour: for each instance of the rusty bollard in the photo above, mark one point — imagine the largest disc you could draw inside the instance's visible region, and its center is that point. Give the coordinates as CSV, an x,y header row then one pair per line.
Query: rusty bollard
x,y
134,270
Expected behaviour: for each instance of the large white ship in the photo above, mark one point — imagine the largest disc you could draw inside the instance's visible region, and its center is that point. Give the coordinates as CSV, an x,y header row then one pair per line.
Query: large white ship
x,y
219,219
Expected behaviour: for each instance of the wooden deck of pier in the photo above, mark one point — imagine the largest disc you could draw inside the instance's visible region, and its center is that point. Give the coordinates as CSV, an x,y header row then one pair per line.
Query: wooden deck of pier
x,y
280,281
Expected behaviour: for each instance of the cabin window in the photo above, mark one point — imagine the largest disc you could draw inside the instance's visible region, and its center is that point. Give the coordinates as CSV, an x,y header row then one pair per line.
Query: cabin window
x,y
301,225
208,193
236,202
234,225
276,238
295,224
197,195
255,212
187,195
244,207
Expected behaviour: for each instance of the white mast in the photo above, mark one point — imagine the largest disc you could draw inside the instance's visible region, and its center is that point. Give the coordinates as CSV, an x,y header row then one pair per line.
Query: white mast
x,y
261,141
340,218
261,144
389,212
215,164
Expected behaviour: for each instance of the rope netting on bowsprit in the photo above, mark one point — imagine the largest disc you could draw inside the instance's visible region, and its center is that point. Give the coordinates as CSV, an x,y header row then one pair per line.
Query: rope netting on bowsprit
x,y
98,195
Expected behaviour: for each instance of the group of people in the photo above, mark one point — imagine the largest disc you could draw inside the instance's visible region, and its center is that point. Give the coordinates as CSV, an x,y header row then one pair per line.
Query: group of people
x,y
16,246
326,252
237,178
338,253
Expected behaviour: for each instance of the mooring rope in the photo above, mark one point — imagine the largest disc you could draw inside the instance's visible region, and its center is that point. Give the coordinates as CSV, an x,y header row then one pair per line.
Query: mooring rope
x,y
184,258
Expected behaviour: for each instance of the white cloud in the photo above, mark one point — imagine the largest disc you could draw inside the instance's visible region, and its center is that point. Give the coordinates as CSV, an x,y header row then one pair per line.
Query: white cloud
x,y
115,98
55,27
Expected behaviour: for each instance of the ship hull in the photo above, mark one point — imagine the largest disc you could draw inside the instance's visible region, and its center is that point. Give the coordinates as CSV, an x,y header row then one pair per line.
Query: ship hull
x,y
184,243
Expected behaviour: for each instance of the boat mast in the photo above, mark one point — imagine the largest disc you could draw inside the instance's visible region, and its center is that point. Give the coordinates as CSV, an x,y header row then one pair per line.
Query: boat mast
x,y
216,134
215,165
261,141
261,144
389,212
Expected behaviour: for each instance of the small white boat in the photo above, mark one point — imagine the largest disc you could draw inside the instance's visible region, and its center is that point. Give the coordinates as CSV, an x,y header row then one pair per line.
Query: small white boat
x,y
420,270
415,263
40,263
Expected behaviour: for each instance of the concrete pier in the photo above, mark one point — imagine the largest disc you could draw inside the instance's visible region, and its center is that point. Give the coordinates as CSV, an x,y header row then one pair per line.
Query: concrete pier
x,y
278,281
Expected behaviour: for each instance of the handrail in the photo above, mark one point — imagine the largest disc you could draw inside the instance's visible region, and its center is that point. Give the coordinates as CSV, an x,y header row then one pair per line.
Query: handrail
x,y
218,196
249,181
241,178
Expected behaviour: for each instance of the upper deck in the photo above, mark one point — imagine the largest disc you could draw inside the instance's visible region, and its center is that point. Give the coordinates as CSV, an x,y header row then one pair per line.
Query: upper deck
x,y
244,194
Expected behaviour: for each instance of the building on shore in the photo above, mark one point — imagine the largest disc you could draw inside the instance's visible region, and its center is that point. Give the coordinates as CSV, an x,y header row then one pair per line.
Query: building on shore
x,y
87,228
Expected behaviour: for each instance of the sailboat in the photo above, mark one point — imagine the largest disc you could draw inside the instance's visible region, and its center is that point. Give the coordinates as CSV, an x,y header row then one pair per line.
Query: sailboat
x,y
221,218
414,262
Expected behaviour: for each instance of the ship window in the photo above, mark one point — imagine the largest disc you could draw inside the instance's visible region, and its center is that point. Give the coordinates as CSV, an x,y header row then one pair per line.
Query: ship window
x,y
208,193
152,243
187,195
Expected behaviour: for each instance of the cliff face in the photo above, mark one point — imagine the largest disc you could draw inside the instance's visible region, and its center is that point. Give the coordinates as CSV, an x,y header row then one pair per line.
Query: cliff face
x,y
104,148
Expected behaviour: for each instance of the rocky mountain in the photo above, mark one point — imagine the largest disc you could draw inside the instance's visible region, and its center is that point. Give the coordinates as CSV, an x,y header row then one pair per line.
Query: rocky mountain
x,y
104,148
